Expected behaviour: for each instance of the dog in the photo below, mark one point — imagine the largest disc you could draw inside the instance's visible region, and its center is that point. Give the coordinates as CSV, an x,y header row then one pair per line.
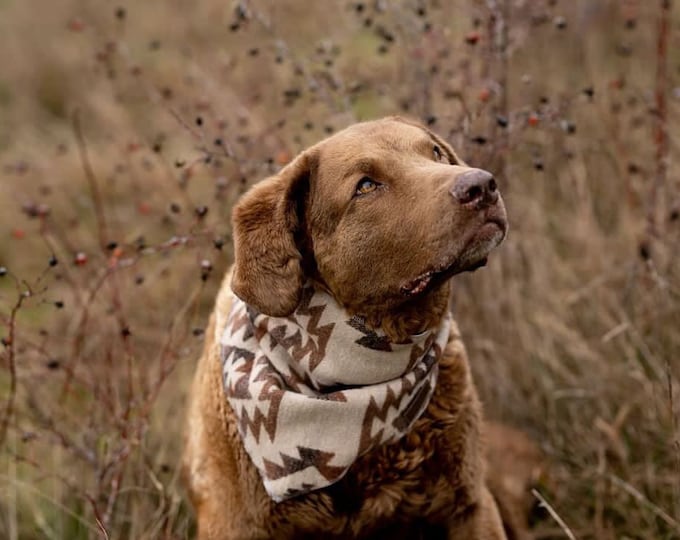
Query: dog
x,y
333,398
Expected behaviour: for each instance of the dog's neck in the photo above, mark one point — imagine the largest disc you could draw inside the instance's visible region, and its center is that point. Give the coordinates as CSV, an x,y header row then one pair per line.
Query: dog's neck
x,y
414,316
399,320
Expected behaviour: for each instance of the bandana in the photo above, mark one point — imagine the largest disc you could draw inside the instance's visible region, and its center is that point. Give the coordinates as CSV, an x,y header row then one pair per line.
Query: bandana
x,y
314,391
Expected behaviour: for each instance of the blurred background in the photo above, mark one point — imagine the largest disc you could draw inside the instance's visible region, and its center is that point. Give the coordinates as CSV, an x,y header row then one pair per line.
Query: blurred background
x,y
128,129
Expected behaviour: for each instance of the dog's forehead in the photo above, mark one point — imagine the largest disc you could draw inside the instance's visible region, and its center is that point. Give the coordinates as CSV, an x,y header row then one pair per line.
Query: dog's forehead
x,y
380,139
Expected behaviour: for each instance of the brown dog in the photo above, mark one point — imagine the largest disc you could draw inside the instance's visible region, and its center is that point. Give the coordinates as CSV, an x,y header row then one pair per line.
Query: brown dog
x,y
379,217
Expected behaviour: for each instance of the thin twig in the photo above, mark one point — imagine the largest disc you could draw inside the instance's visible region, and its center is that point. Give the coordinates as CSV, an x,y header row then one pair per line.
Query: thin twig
x,y
97,516
661,118
11,362
544,503
499,15
91,180
638,496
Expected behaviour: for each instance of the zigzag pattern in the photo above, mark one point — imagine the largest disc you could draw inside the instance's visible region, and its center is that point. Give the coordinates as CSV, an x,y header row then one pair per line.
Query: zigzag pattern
x,y
293,344
270,395
374,411
309,457
240,388
370,339
417,404
260,420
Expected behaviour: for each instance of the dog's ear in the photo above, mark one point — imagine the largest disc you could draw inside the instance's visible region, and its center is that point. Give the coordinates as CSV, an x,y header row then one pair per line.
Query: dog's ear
x,y
448,149
267,268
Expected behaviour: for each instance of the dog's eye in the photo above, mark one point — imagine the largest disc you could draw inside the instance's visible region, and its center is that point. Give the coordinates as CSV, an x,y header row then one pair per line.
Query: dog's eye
x,y
366,185
438,154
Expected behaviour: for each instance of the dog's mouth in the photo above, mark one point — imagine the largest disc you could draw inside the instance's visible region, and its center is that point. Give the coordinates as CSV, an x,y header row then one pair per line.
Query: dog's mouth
x,y
420,283
473,256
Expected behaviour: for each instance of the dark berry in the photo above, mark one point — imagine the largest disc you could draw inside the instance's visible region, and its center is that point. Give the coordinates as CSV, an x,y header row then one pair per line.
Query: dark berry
x,y
53,363
644,251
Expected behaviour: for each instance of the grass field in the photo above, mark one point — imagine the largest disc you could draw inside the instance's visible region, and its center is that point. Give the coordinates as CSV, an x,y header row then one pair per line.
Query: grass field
x,y
128,129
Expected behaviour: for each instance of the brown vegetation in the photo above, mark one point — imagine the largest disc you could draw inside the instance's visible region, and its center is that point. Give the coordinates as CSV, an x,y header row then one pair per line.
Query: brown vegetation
x,y
128,129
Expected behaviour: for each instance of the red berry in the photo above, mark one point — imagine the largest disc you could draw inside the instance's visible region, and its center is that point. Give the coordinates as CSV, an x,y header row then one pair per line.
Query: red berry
x,y
76,25
472,38
80,259
282,157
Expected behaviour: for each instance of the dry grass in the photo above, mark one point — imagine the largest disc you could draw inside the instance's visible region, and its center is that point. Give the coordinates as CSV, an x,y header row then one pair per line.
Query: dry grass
x,y
118,123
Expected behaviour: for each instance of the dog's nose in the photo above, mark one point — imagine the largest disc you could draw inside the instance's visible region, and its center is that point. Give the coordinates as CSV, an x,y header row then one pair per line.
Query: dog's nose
x,y
475,186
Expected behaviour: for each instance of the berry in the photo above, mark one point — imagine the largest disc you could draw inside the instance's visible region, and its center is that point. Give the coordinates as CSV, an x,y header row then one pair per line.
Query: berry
x,y
644,251
471,38
80,259
76,25
560,23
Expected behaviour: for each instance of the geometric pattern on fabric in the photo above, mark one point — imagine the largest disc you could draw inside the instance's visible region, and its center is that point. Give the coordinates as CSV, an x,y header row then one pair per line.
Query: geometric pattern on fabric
x,y
317,389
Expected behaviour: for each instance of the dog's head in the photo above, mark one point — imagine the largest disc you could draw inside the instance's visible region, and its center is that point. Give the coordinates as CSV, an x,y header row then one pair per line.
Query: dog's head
x,y
381,214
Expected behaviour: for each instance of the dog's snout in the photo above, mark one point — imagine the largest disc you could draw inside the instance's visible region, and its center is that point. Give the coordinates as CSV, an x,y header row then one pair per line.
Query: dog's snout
x,y
475,186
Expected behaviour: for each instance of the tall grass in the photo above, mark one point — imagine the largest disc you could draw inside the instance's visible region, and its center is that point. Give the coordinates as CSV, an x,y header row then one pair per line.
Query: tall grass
x,y
127,131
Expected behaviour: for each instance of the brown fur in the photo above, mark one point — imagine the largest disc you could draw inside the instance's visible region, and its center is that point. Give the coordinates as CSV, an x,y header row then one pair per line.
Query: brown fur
x,y
305,223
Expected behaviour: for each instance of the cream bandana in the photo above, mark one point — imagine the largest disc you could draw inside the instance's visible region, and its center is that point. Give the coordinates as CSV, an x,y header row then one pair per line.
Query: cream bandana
x,y
315,390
